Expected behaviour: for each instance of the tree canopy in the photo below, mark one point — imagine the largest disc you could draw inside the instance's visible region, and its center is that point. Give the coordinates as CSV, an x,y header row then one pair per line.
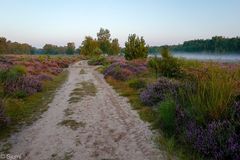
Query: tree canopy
x,y
216,44
135,48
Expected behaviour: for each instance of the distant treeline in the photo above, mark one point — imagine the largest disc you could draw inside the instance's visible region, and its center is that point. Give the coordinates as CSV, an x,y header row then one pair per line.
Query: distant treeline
x,y
103,44
8,47
217,44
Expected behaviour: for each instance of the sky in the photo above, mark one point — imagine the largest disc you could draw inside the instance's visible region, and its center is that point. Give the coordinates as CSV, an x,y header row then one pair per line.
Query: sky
x,y
160,22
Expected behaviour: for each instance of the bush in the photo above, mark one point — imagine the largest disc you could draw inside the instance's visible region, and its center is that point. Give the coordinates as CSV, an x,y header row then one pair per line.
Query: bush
x,y
23,86
217,139
12,73
123,70
155,93
98,60
137,83
167,66
4,120
167,116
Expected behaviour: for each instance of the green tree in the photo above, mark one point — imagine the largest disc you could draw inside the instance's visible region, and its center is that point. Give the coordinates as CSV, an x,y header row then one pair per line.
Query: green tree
x,y
135,48
103,37
115,48
50,49
90,47
70,48
3,45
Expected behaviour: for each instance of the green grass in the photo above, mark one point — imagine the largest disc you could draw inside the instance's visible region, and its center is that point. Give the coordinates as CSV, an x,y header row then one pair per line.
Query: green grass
x,y
27,110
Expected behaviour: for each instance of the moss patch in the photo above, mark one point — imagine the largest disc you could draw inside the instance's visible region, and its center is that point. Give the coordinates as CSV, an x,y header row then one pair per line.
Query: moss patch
x,y
84,89
74,125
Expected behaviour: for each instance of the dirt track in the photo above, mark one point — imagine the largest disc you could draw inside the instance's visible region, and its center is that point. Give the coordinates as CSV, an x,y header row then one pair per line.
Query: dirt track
x,y
99,125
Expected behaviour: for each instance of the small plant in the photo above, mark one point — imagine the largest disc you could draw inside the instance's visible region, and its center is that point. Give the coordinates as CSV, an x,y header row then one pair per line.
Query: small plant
x,y
168,65
166,116
137,83
98,60
12,74
155,93
4,120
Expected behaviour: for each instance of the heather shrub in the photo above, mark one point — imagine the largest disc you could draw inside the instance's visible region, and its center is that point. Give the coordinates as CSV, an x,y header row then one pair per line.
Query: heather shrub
x,y
155,93
166,118
12,73
123,70
137,83
23,86
217,139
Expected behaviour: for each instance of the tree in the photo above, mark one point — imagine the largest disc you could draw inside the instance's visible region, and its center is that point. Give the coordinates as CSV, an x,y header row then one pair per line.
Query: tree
x,y
115,49
90,47
135,48
103,35
70,48
3,45
50,49
104,40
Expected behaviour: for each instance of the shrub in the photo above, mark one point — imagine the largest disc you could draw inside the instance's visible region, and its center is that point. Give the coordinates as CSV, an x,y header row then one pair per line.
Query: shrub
x,y
123,70
23,86
4,120
98,60
155,93
12,73
168,65
217,139
167,116
137,83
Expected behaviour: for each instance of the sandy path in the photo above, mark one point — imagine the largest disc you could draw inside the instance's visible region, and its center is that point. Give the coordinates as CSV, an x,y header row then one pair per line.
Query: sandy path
x,y
104,127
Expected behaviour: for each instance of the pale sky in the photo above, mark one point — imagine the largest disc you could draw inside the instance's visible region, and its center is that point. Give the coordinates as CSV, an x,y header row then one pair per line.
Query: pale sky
x,y
160,22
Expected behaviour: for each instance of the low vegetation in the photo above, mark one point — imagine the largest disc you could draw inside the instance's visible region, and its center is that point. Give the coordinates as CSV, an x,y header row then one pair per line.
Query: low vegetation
x,y
195,105
27,84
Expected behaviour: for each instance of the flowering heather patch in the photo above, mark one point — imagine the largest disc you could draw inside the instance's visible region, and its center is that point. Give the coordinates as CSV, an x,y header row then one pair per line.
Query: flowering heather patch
x,y
124,70
155,93
26,84
217,139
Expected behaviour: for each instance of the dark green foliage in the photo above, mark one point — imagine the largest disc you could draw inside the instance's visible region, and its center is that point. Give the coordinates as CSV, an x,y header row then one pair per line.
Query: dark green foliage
x,y
154,64
166,116
4,120
90,47
107,46
8,47
70,48
216,44
167,66
12,74
135,48
98,60
3,45
137,83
